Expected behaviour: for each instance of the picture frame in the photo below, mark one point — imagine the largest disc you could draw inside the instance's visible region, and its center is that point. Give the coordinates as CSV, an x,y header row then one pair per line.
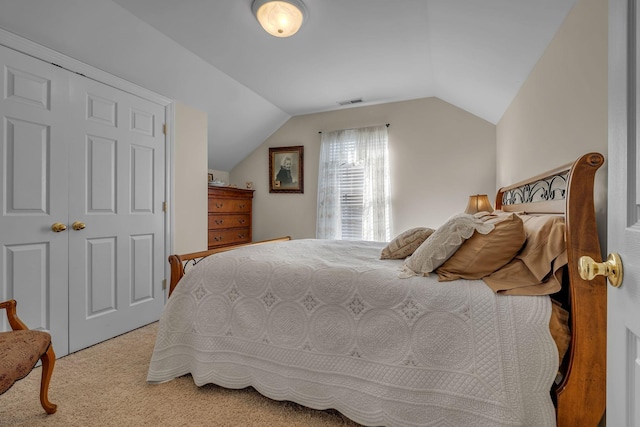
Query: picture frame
x,y
210,177
286,169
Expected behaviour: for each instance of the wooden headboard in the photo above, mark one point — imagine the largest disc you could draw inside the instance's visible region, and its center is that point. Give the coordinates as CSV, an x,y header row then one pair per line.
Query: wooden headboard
x,y
568,190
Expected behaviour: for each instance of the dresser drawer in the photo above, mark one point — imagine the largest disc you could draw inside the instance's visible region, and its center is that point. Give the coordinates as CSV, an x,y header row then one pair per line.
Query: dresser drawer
x,y
218,221
229,205
229,237
230,213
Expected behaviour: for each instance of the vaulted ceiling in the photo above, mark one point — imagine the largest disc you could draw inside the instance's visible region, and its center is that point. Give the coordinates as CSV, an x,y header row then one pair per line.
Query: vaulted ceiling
x,y
474,54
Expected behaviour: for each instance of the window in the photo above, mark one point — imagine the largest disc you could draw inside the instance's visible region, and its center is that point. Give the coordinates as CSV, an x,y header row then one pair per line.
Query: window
x,y
353,185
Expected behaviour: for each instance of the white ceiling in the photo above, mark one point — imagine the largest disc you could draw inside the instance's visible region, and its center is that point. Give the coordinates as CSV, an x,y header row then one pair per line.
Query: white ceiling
x,y
474,54
213,55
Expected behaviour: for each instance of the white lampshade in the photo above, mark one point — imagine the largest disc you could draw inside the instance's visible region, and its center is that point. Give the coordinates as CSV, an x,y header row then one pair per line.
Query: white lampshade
x,y
280,18
478,203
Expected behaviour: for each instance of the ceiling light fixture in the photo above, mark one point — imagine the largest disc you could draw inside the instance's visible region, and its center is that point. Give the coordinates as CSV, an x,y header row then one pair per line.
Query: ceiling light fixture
x,y
280,18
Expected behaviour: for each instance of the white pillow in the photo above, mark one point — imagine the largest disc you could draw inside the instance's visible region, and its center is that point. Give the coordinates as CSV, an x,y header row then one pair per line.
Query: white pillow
x,y
443,243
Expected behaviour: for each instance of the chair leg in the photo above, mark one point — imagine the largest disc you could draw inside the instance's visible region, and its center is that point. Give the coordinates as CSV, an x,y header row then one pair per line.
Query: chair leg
x,y
48,361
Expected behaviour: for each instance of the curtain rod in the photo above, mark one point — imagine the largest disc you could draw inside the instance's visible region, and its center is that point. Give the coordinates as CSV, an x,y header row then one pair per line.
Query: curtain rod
x,y
387,125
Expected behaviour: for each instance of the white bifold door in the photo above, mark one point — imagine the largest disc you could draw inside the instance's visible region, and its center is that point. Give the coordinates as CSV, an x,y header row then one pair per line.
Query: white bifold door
x,y
82,189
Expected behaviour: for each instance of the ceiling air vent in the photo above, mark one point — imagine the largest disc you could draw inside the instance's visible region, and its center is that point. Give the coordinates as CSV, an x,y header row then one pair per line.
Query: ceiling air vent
x,y
351,101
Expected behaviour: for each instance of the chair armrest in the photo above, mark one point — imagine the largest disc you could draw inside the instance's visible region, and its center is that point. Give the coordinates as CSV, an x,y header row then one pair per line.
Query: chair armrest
x,y
12,315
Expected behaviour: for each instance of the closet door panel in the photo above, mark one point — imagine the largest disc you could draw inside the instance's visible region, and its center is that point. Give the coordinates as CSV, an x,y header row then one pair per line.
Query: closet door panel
x,y
117,171
100,286
142,249
27,146
34,193
142,179
26,265
101,162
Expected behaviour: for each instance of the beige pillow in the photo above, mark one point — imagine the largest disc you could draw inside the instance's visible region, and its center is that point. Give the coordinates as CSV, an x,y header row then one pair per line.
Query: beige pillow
x,y
559,328
442,244
537,269
482,254
545,243
406,243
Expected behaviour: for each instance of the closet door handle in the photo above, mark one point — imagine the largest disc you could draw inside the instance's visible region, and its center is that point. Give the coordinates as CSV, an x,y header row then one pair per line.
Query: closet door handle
x,y
58,227
78,225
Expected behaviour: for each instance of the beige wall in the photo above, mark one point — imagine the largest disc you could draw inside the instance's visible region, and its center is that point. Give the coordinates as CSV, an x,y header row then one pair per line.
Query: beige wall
x,y
219,175
439,155
560,112
190,183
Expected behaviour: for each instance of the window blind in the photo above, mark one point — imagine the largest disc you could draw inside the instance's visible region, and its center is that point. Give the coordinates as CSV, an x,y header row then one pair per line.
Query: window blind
x,y
351,182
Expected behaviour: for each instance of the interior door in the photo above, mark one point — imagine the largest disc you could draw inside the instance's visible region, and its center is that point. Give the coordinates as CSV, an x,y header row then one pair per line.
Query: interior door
x,y
623,330
33,193
116,179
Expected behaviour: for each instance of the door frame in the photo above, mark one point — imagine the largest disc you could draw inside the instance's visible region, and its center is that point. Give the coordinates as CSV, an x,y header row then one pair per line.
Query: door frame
x,y
43,53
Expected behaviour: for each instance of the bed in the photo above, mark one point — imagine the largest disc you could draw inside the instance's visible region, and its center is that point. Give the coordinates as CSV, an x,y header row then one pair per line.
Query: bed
x,y
329,324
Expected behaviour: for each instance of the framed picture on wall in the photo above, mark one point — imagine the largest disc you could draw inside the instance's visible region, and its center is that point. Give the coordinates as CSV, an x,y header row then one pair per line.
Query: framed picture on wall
x,y
286,169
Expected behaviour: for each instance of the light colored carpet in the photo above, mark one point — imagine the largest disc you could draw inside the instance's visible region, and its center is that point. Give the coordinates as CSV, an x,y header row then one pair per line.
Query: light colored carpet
x,y
105,385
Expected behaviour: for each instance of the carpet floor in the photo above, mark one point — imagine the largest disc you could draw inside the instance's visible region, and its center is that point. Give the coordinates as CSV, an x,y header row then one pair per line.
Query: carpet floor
x,y
105,385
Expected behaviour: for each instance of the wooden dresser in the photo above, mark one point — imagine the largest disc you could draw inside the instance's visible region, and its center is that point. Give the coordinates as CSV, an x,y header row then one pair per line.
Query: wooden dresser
x,y
229,216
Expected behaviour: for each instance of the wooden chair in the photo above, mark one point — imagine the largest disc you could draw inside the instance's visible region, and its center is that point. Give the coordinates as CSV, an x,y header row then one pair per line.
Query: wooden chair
x,y
20,350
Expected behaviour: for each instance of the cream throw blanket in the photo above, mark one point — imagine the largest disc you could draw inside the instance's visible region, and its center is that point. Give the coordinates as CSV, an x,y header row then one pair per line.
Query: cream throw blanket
x,y
329,325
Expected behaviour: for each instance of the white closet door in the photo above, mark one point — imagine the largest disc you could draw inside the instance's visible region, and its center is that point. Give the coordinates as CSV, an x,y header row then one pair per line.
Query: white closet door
x,y
116,182
34,193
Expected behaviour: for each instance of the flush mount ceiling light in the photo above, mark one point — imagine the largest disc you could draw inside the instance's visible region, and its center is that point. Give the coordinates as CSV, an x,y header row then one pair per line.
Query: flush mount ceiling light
x,y
280,18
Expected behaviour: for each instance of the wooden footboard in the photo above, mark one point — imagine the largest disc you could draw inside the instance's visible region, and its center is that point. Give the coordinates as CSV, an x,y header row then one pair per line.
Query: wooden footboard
x,y
178,262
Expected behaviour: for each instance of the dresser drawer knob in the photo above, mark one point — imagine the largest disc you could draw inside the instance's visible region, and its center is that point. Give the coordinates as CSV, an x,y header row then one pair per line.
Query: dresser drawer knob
x,y
218,238
219,221
219,205
241,221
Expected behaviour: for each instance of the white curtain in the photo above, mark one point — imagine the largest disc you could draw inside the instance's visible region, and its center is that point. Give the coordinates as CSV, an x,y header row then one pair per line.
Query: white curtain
x,y
366,148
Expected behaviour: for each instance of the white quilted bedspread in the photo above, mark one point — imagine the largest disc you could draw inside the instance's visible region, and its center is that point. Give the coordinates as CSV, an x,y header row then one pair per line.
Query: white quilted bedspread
x,y
328,325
